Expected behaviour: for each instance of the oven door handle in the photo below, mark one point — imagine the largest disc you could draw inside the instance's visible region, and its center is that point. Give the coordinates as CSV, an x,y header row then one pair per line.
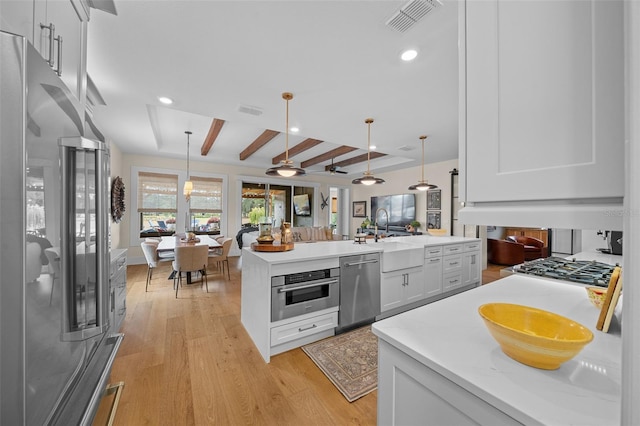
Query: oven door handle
x,y
361,262
285,290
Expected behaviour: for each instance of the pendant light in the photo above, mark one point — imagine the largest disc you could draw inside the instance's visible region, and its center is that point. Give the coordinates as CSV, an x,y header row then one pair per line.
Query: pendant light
x,y
188,185
368,178
286,169
423,185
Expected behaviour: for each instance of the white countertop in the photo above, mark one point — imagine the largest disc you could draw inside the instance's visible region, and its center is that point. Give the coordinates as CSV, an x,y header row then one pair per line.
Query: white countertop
x,y
325,249
316,250
450,337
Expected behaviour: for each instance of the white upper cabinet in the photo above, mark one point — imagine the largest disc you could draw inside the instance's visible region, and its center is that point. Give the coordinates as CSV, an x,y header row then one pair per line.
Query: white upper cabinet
x,y
66,51
64,48
542,111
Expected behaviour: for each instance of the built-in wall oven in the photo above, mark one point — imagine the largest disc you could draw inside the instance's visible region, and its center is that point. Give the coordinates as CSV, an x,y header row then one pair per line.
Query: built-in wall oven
x,y
304,292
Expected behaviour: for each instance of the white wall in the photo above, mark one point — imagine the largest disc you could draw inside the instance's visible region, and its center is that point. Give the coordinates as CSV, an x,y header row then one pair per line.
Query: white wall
x,y
397,182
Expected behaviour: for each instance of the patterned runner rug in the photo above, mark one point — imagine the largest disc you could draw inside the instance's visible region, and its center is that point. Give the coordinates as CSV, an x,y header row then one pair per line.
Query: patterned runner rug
x,y
349,360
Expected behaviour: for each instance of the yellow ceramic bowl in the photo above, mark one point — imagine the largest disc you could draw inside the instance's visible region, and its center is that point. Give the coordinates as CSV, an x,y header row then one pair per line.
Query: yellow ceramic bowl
x,y
437,232
534,337
597,295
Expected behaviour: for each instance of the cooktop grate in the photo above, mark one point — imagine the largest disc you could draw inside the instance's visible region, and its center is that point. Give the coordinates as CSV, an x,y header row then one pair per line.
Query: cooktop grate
x,y
587,272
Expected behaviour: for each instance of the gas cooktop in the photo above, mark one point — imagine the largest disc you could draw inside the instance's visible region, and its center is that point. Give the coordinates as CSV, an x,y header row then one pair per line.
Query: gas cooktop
x,y
587,272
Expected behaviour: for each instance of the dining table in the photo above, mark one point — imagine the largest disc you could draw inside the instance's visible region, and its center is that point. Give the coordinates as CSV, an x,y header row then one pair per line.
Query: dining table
x,y
171,242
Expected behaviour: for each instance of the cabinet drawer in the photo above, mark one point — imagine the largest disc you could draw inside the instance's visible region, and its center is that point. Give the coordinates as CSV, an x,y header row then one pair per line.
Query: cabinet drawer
x,y
453,249
451,263
433,261
295,330
118,265
472,246
451,281
432,252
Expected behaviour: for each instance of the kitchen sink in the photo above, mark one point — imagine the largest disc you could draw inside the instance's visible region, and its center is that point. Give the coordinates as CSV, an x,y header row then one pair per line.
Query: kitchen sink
x,y
396,255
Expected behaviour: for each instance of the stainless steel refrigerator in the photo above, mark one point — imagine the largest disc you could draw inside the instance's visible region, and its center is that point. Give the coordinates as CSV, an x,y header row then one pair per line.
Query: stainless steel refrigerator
x,y
56,349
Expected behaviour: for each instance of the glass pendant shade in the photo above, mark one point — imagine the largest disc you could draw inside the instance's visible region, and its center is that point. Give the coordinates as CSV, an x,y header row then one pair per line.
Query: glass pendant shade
x,y
286,168
422,185
368,178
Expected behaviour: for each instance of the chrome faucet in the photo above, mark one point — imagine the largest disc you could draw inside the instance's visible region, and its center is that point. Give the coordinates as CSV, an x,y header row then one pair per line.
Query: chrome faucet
x,y
387,213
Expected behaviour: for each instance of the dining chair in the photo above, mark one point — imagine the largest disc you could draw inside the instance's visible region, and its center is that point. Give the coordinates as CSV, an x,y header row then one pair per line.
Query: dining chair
x,y
190,258
153,257
223,257
53,256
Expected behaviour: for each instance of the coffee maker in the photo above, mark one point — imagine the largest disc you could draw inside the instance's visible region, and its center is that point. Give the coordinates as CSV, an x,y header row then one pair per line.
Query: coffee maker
x,y
614,242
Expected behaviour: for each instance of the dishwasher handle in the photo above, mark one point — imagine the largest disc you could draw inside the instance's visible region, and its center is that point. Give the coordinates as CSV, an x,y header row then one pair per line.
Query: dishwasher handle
x,y
362,262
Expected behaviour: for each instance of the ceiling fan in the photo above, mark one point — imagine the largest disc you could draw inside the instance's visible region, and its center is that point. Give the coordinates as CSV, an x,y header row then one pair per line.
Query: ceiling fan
x,y
333,169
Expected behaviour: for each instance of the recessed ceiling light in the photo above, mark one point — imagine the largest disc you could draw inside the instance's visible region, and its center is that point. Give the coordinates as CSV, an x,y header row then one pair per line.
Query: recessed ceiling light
x,y
294,129
165,100
372,147
409,55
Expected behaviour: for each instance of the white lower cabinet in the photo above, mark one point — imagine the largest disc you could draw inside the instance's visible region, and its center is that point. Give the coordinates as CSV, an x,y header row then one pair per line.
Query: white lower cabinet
x,y
299,329
433,276
401,287
410,393
471,263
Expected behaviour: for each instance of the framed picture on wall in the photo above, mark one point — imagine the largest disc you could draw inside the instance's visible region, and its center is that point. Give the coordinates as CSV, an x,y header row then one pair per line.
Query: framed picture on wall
x,y
434,199
433,220
359,209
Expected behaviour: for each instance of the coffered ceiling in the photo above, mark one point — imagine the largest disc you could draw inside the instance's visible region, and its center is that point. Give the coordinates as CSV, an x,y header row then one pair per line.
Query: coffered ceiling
x,y
226,63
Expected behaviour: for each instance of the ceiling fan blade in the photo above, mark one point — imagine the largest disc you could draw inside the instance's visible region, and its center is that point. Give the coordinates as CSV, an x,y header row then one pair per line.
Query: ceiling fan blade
x,y
341,171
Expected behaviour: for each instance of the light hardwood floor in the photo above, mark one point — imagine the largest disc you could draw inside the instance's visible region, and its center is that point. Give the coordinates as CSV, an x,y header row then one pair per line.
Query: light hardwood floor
x,y
190,362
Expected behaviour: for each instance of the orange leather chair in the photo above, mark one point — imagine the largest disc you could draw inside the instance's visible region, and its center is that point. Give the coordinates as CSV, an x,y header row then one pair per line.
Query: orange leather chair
x,y
533,247
504,252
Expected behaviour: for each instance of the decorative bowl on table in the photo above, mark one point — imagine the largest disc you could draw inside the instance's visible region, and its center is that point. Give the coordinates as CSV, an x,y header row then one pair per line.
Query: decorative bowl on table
x,y
534,337
437,232
596,295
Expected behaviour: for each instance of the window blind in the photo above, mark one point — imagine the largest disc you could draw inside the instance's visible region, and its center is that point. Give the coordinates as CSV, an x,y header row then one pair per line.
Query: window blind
x,y
207,195
157,192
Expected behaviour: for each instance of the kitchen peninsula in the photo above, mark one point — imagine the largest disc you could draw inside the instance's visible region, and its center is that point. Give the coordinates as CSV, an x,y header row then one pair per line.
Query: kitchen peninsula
x,y
440,365
413,271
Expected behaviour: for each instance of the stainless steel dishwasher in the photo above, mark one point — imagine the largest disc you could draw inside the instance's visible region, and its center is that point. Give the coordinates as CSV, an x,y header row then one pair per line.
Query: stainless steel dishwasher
x,y
359,290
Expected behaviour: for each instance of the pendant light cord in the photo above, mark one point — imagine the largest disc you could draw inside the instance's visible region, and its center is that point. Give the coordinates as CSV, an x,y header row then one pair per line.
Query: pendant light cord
x,y
368,121
188,134
423,138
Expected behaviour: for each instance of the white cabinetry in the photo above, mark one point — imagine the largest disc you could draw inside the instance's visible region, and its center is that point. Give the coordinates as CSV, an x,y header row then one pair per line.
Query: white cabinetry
x,y
433,271
69,43
542,113
118,288
452,267
399,288
471,269
64,48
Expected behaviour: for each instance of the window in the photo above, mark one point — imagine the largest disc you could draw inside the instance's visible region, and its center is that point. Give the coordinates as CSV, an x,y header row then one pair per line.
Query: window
x,y
157,203
206,204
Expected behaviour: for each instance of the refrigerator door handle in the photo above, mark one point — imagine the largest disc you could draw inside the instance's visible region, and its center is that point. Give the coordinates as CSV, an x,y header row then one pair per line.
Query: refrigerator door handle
x,y
84,256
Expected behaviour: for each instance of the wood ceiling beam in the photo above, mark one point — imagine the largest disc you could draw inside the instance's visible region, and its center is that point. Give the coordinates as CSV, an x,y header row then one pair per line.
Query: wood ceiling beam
x,y
301,147
214,131
357,159
260,141
344,149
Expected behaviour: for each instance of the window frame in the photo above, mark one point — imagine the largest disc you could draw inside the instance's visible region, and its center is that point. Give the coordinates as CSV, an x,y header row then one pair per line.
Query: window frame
x,y
182,207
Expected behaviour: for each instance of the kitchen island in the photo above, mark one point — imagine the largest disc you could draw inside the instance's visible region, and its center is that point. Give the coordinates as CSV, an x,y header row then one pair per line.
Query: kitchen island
x,y
439,364
427,276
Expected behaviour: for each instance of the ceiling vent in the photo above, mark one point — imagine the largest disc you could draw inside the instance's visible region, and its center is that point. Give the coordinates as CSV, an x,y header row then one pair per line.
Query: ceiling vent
x,y
411,13
406,148
248,109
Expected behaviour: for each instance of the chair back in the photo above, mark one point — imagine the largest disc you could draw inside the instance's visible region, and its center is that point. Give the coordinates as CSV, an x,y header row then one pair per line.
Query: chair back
x,y
53,255
150,251
191,258
226,247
